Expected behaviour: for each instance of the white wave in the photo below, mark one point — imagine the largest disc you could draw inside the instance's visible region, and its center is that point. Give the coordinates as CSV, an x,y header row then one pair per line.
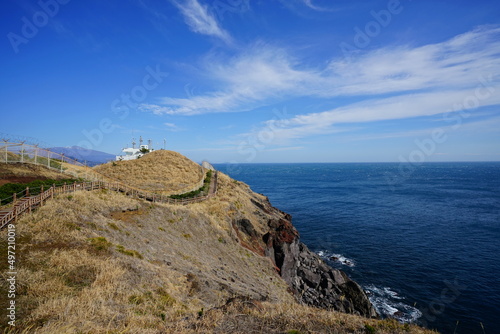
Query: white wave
x,y
393,294
388,304
338,258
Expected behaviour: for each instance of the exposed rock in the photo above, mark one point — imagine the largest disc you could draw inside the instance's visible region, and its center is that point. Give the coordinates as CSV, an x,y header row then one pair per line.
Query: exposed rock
x,y
311,280
246,227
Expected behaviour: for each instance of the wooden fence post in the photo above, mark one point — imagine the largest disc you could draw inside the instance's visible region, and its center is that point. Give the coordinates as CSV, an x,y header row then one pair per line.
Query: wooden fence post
x,y
27,191
14,198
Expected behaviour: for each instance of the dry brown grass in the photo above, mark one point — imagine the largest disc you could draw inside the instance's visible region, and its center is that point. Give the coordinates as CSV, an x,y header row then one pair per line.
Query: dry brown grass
x,y
247,316
77,273
160,171
83,172
23,173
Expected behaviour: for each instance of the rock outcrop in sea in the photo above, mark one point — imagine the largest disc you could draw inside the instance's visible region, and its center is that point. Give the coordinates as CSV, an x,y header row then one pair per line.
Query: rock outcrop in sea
x,y
311,280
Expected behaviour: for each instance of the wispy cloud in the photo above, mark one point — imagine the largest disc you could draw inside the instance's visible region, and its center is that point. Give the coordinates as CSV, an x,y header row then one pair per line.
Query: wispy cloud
x,y
280,149
310,4
172,127
258,75
265,74
200,20
399,107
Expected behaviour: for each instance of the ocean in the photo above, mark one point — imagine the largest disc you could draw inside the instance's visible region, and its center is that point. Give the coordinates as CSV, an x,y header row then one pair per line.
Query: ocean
x,y
423,241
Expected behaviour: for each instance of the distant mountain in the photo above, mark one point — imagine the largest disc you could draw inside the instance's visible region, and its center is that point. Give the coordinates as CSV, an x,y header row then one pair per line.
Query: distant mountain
x,y
82,154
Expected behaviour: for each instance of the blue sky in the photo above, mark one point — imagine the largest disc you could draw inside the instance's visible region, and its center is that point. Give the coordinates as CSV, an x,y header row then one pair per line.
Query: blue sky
x,y
256,81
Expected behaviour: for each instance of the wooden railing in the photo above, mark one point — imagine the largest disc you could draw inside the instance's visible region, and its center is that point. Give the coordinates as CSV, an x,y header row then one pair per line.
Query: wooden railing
x,y
28,203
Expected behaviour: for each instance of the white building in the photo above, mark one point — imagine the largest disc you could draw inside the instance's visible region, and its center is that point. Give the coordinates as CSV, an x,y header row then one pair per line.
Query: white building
x,y
132,153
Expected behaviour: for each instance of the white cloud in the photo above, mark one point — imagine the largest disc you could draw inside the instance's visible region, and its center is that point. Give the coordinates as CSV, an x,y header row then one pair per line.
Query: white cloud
x,y
263,74
172,127
258,75
310,4
399,107
280,149
200,20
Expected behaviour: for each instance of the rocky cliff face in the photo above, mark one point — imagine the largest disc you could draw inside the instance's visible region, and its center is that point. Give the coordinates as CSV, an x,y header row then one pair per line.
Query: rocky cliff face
x,y
311,280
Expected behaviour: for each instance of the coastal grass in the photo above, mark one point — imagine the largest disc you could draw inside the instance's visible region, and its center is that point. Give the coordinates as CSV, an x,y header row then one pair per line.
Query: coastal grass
x,y
23,173
77,273
247,316
159,171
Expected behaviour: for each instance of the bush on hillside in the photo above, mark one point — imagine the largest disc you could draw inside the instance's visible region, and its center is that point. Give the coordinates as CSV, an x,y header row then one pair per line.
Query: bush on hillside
x,y
202,190
8,189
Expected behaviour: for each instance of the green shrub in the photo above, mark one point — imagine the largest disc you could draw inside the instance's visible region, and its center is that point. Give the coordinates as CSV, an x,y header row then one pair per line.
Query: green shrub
x,y
202,190
100,243
134,299
114,226
8,189
128,252
369,329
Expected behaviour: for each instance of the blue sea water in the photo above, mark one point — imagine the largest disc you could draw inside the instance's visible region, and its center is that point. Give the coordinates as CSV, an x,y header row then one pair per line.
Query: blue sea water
x,y
423,241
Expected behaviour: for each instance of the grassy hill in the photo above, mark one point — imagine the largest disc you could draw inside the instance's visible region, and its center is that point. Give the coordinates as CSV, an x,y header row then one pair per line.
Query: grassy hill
x,y
160,171
101,262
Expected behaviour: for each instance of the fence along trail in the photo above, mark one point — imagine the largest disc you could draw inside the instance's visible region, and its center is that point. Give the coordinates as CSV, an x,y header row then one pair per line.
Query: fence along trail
x,y
32,154
23,202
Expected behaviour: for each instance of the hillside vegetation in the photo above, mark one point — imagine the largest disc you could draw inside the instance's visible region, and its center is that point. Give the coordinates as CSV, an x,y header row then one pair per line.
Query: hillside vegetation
x,y
102,262
24,173
159,171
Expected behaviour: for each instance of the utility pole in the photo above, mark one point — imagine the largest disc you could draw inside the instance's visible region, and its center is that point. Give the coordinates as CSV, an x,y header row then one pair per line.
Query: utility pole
x,y
5,142
22,151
